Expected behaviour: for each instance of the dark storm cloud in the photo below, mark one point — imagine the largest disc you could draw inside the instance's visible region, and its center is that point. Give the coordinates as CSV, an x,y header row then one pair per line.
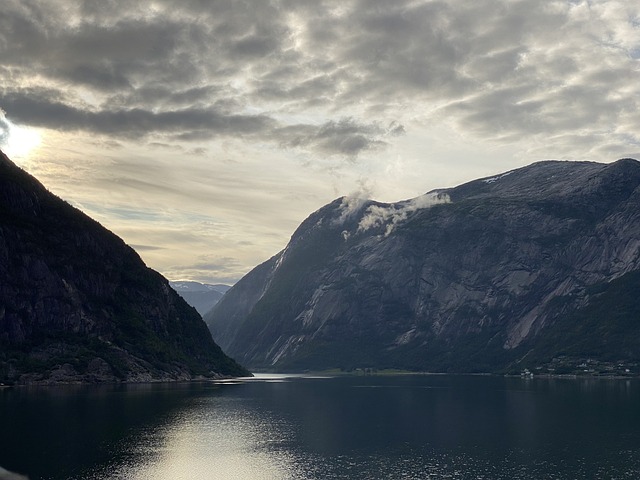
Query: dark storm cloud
x,y
40,111
128,45
170,97
275,86
100,56
506,68
200,69
344,137
167,75
46,109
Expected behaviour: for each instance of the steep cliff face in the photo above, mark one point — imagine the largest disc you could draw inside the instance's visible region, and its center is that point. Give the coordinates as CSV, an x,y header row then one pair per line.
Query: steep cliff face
x,y
471,278
77,304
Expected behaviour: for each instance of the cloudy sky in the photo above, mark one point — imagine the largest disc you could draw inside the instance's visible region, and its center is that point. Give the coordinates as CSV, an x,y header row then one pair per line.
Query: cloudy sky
x,y
203,132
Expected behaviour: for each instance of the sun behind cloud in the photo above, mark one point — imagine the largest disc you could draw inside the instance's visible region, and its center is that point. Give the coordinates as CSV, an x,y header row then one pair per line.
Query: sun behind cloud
x,y
19,142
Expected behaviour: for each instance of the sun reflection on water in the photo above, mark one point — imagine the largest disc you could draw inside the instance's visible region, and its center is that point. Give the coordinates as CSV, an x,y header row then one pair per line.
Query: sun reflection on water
x,y
213,439
282,431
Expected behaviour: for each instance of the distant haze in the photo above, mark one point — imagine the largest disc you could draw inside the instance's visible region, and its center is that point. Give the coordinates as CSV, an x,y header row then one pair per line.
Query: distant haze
x,y
202,297
203,133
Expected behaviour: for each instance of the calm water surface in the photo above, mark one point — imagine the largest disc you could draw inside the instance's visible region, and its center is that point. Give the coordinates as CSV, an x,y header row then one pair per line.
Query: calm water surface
x,y
401,427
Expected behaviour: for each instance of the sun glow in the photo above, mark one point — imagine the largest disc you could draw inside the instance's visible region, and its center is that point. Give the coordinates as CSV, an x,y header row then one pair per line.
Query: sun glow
x,y
18,142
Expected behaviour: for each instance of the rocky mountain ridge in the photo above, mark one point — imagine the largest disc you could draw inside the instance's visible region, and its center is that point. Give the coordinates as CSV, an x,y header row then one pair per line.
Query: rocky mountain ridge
x,y
78,305
473,278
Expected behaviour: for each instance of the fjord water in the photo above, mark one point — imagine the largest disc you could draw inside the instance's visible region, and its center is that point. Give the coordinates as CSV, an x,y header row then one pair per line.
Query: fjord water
x,y
360,427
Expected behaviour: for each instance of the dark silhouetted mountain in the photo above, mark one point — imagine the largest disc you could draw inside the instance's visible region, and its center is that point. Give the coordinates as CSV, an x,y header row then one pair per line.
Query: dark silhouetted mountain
x,y
78,305
522,269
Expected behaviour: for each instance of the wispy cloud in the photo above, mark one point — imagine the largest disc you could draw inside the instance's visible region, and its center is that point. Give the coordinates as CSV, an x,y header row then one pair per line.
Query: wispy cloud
x,y
389,216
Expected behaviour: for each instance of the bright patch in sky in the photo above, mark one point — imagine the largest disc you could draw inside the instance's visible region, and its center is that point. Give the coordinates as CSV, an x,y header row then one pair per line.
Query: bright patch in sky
x,y
17,141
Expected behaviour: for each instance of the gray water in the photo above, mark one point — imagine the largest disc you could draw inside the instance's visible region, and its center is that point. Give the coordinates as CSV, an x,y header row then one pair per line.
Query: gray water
x,y
374,427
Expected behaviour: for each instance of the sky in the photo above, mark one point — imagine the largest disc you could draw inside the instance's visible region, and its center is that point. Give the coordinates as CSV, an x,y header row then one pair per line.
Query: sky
x,y
204,132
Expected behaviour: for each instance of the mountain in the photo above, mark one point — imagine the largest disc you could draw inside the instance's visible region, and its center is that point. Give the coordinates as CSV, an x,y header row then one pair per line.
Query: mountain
x,y
201,296
536,267
78,305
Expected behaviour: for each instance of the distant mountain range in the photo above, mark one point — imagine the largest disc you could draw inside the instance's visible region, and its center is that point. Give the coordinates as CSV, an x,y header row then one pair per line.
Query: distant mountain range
x,y
201,296
535,269
78,305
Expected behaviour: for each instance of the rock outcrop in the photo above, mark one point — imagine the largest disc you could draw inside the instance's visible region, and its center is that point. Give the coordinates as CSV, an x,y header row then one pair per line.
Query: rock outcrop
x,y
488,276
78,305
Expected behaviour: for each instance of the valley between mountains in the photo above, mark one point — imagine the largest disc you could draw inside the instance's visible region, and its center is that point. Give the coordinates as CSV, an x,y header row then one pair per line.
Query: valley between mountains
x,y
534,270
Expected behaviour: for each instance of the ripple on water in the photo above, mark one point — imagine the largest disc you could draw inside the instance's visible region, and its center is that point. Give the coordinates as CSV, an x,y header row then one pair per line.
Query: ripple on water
x,y
229,436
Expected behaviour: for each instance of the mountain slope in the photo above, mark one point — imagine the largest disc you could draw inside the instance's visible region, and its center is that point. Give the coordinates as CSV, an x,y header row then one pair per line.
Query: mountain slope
x,y
77,304
200,296
471,278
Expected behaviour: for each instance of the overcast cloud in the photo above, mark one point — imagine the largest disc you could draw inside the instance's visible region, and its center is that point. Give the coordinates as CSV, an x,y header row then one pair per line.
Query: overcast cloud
x,y
256,113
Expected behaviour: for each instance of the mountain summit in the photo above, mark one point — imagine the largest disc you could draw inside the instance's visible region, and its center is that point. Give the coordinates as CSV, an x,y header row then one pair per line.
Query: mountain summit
x,y
497,274
78,305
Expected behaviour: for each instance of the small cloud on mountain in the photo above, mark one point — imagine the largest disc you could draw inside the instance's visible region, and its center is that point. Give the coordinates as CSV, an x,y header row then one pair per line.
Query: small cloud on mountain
x,y
391,215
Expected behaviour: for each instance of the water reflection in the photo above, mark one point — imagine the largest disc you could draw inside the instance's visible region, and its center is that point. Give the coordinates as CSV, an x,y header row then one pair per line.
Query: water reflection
x,y
281,427
214,438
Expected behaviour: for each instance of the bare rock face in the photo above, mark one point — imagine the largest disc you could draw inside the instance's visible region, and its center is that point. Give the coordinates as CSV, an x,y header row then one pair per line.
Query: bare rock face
x,y
78,305
469,279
